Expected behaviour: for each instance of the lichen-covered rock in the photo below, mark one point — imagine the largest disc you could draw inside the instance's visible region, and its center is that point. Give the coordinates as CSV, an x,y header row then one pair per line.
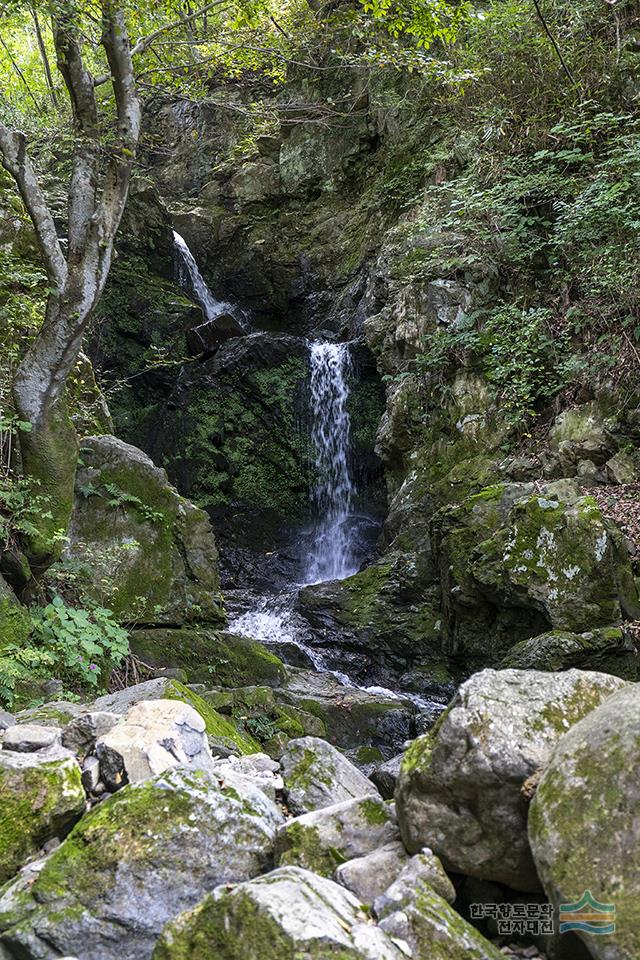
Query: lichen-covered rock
x,y
29,737
15,624
285,915
351,716
421,871
41,796
209,656
317,775
583,825
368,877
515,561
428,928
608,649
156,735
323,839
150,551
134,862
460,786
217,727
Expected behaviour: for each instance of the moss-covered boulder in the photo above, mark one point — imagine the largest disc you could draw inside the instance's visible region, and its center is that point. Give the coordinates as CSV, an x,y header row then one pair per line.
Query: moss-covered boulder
x,y
323,839
137,860
317,775
385,616
209,656
219,729
607,649
145,552
583,825
15,624
287,914
352,718
462,788
428,928
515,561
41,796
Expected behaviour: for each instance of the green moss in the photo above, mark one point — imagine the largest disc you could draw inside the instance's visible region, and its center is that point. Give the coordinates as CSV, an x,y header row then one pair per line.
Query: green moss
x,y
36,803
216,725
305,849
375,812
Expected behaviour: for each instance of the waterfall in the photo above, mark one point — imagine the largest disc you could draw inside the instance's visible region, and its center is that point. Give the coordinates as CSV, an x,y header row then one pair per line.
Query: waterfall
x,y
332,556
190,276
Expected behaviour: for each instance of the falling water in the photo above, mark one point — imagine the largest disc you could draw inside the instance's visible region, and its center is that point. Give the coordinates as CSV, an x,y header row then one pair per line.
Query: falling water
x,y
189,272
332,556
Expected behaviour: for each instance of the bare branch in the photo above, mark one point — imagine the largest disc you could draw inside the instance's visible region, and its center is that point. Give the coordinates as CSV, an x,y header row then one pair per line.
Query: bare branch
x,y
144,42
15,160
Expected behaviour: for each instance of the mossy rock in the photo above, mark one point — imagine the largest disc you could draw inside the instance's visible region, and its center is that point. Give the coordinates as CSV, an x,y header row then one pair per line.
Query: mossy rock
x,y
607,649
41,796
15,623
143,551
217,726
209,656
287,914
583,824
462,788
162,843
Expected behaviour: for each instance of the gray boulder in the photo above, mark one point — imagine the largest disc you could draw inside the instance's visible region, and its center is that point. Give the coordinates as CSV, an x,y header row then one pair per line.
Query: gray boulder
x,y
135,861
460,790
317,775
584,827
29,737
428,928
323,839
369,876
156,735
422,871
41,796
287,914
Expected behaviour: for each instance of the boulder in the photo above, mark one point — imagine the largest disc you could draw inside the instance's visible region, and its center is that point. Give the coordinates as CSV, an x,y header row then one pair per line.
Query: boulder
x,y
609,649
583,825
385,776
29,737
369,876
156,735
135,861
150,554
322,840
41,796
15,623
317,775
287,914
351,716
428,928
219,729
209,656
516,561
82,732
423,871
460,790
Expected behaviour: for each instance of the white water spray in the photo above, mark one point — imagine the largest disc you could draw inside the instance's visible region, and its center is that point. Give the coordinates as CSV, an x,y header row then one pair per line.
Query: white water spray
x,y
332,556
186,262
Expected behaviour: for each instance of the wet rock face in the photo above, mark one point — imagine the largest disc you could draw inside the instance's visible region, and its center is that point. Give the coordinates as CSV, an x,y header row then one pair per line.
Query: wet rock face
x,y
462,787
583,825
139,858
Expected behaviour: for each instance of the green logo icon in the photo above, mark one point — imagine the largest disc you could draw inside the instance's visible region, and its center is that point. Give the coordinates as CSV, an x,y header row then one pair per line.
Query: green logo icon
x,y
588,915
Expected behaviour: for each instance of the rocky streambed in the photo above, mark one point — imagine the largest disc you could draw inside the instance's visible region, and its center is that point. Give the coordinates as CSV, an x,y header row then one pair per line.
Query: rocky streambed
x,y
149,825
